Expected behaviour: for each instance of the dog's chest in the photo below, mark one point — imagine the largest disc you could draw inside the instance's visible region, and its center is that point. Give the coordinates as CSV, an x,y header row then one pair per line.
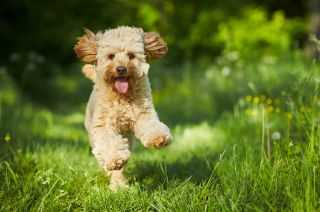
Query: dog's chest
x,y
123,115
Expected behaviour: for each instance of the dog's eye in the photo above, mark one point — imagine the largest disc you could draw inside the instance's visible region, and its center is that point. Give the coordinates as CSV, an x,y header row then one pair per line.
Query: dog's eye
x,y
130,56
111,56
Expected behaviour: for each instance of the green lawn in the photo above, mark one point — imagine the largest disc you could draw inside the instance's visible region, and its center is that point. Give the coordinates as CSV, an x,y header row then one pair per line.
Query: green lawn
x,y
261,154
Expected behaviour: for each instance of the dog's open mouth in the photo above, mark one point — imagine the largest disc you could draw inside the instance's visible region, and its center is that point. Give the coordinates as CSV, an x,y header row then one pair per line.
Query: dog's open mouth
x,y
122,84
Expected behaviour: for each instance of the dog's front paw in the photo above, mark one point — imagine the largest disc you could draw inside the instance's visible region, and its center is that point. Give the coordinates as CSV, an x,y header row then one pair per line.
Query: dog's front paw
x,y
160,141
116,164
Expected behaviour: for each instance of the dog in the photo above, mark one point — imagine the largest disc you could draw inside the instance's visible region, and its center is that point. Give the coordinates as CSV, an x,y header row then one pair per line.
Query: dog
x,y
120,105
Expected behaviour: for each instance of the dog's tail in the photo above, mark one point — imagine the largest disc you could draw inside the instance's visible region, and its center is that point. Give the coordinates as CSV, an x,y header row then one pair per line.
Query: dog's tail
x,y
89,72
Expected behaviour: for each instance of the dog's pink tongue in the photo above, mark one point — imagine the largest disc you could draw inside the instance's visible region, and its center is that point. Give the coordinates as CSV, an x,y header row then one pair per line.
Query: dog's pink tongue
x,y
122,84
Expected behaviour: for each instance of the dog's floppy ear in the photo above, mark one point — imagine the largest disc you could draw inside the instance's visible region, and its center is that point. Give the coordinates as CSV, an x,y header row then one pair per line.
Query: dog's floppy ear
x,y
87,47
154,45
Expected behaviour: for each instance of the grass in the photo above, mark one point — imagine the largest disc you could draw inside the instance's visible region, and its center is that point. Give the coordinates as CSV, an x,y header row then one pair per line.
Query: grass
x,y
261,155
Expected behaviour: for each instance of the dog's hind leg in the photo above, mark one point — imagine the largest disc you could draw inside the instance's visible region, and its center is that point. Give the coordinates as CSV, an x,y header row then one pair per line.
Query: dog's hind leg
x,y
117,179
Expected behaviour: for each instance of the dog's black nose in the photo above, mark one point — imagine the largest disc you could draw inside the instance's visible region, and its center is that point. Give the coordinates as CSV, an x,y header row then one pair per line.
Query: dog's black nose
x,y
121,70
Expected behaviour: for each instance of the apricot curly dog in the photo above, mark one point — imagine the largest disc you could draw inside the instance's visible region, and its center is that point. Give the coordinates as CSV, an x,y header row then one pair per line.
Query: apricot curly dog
x,y
120,104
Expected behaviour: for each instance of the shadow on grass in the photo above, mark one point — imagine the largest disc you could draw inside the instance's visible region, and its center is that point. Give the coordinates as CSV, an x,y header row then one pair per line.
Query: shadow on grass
x,y
155,174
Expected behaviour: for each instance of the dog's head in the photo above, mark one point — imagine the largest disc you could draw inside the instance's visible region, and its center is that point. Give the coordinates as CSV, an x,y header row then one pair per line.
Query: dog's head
x,y
120,54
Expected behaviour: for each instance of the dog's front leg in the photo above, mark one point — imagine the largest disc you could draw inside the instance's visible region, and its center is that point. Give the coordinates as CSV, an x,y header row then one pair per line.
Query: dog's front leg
x,y
112,151
151,132
110,148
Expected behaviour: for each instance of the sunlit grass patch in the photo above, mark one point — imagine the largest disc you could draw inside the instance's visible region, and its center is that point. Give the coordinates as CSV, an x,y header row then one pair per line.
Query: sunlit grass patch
x,y
188,138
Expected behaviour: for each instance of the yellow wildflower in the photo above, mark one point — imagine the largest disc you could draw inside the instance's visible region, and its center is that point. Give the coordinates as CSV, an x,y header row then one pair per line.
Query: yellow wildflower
x,y
277,110
74,137
247,111
309,109
7,138
256,100
248,98
289,115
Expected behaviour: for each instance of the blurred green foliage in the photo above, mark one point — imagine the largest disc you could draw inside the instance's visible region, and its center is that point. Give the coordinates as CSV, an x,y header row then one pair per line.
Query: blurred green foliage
x,y
192,29
254,35
213,48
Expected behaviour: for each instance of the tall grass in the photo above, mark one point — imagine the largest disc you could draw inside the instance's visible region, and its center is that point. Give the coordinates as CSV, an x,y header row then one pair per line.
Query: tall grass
x,y
246,140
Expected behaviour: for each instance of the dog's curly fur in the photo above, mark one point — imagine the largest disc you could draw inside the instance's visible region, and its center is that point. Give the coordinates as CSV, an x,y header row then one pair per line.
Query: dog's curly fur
x,y
121,105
